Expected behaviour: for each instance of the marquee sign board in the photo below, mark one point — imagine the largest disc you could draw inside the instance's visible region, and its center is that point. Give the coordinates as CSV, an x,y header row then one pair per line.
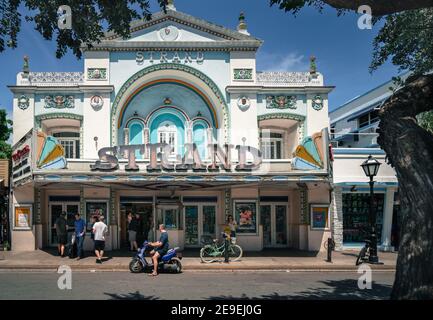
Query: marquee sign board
x,y
191,160
22,159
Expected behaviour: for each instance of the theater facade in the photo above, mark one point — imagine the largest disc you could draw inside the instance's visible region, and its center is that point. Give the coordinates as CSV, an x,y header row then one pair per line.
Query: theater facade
x,y
177,125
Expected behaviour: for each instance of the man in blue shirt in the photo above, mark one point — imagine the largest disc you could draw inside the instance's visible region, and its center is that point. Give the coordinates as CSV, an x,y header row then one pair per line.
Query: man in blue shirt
x,y
160,248
80,233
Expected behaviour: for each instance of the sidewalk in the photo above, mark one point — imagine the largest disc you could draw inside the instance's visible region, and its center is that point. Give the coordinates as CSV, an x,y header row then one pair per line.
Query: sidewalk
x,y
291,260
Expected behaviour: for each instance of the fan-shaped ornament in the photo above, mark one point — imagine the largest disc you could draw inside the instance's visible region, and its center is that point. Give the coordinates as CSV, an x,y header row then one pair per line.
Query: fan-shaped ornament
x,y
49,152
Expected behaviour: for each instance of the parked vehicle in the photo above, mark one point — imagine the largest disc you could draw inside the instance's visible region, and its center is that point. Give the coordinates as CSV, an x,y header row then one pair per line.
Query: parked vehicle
x,y
364,254
213,252
170,262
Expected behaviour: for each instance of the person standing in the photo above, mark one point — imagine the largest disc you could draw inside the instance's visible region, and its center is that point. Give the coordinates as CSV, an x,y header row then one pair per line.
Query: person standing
x,y
99,230
132,232
94,220
80,233
232,225
62,233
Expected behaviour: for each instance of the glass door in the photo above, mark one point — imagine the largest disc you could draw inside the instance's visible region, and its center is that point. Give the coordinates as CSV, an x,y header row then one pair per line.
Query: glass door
x,y
200,220
265,220
273,217
55,210
191,226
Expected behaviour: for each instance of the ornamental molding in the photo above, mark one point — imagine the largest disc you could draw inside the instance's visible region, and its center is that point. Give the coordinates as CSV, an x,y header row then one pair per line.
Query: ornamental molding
x,y
59,102
317,102
243,74
289,116
281,102
97,73
168,66
23,102
57,115
282,78
56,77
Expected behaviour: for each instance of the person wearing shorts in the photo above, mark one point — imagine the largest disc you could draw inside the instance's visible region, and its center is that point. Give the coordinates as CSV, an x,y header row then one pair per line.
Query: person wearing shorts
x,y
160,249
100,229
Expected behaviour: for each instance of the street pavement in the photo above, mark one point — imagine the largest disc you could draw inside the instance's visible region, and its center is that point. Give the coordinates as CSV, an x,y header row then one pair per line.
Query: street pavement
x,y
243,284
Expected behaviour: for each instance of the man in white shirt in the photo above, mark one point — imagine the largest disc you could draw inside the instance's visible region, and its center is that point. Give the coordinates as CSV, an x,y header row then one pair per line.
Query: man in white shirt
x,y
100,229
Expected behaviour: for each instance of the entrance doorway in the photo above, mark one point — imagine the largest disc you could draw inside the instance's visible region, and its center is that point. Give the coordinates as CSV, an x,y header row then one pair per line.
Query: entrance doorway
x,y
146,223
273,217
200,220
55,209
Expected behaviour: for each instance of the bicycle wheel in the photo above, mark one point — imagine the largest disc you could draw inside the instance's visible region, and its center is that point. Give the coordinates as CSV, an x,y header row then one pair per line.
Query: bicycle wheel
x,y
207,254
235,252
361,256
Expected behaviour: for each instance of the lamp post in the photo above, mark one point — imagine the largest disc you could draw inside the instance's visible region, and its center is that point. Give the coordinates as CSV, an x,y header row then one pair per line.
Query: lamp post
x,y
371,167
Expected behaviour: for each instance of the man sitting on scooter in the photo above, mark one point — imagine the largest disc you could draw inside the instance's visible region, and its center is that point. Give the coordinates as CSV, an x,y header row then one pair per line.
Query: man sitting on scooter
x,y
160,249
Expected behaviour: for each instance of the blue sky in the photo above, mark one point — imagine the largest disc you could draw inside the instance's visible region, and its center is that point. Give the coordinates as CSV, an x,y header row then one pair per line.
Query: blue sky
x,y
343,51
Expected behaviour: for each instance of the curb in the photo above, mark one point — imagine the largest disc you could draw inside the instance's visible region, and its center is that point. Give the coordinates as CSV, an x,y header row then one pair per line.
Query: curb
x,y
285,268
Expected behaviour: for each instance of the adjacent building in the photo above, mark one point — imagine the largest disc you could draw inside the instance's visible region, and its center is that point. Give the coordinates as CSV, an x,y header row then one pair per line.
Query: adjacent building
x,y
177,125
353,130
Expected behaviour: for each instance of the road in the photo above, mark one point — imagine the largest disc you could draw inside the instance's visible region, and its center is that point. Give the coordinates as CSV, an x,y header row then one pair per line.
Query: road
x,y
195,285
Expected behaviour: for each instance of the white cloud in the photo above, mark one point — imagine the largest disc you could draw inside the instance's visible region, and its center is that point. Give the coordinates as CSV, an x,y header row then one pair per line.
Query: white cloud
x,y
281,62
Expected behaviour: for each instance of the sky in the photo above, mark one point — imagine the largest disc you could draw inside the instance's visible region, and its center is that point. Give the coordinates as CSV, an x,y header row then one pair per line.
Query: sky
x,y
343,51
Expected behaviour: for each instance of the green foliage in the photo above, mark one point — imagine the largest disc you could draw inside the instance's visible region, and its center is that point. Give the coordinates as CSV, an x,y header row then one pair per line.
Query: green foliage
x,y
88,20
406,39
425,120
5,132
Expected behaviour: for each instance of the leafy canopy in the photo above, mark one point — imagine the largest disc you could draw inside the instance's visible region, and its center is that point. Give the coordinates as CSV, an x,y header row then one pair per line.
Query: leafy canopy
x,y
88,20
5,132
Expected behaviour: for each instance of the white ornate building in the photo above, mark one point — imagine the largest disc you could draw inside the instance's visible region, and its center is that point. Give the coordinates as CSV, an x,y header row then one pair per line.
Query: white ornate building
x,y
92,141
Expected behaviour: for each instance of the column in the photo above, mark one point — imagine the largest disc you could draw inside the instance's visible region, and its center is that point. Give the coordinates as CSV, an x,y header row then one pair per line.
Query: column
x,y
336,212
387,219
146,141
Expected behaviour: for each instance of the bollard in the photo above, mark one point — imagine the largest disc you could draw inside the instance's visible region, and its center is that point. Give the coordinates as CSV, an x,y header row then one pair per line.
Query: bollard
x,y
226,249
331,246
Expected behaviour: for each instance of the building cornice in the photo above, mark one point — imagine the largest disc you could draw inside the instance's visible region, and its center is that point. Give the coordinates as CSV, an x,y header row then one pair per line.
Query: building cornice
x,y
236,45
72,89
289,89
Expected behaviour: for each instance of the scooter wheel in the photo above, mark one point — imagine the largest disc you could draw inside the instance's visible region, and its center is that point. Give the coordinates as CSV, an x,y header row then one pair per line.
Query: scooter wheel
x,y
178,264
135,266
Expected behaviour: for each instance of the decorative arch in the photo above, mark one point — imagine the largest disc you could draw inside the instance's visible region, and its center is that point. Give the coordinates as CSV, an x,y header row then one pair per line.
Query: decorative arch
x,y
125,94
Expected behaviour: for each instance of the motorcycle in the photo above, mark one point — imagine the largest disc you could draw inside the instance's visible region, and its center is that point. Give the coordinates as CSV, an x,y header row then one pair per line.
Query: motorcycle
x,y
170,262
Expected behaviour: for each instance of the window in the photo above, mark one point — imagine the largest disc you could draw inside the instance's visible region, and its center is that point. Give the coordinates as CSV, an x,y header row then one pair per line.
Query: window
x,y
167,133
70,142
356,216
271,145
170,216
332,131
368,118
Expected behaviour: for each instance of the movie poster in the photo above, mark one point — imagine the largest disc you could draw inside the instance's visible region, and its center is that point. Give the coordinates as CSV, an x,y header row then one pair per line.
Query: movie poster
x,y
246,216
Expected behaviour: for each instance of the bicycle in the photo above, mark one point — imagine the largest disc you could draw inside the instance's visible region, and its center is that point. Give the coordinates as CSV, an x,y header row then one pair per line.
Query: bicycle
x,y
364,254
212,251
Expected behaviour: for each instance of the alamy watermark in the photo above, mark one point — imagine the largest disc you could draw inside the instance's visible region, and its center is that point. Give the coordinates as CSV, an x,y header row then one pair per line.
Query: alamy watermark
x,y
65,280
365,20
365,280
64,17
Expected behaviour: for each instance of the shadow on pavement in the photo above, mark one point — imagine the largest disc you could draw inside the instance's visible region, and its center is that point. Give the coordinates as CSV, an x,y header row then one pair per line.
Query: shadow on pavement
x,y
346,289
130,296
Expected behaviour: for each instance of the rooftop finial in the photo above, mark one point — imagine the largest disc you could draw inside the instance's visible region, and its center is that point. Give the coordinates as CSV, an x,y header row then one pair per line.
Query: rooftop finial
x,y
170,5
26,68
242,26
313,66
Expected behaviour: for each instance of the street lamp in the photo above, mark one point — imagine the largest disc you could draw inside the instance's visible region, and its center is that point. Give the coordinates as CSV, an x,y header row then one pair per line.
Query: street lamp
x,y
371,167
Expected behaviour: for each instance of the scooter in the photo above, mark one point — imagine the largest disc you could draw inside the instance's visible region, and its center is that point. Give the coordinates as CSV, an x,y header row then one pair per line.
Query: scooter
x,y
170,262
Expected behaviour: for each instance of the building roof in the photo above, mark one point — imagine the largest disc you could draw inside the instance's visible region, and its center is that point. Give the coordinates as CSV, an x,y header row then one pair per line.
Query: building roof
x,y
230,39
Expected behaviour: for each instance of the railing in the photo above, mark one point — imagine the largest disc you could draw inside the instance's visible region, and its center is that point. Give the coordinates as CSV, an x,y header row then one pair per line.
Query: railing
x,y
354,140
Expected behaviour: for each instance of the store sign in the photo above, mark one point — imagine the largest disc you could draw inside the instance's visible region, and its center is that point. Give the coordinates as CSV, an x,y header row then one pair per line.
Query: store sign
x,y
21,163
159,159
169,57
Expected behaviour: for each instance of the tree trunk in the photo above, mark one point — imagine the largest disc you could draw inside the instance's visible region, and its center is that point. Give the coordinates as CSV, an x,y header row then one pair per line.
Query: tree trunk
x,y
409,150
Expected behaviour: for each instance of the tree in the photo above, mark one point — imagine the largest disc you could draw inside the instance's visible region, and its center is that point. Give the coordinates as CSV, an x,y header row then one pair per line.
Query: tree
x,y
5,132
406,39
88,20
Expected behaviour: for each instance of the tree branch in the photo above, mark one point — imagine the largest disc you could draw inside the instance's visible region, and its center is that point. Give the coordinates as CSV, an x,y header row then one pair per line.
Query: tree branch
x,y
381,7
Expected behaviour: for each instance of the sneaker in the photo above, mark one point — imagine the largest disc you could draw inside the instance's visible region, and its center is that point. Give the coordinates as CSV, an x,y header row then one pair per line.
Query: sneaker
x,y
78,258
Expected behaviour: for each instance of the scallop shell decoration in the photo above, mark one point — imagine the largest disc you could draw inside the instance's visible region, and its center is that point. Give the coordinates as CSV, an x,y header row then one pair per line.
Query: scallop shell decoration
x,y
309,154
49,153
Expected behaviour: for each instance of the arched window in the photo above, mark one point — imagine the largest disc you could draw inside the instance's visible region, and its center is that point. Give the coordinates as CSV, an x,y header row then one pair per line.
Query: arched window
x,y
200,138
167,133
136,136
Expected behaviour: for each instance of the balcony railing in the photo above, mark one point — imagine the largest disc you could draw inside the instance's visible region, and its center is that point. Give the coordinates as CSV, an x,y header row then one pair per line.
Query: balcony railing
x,y
354,140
